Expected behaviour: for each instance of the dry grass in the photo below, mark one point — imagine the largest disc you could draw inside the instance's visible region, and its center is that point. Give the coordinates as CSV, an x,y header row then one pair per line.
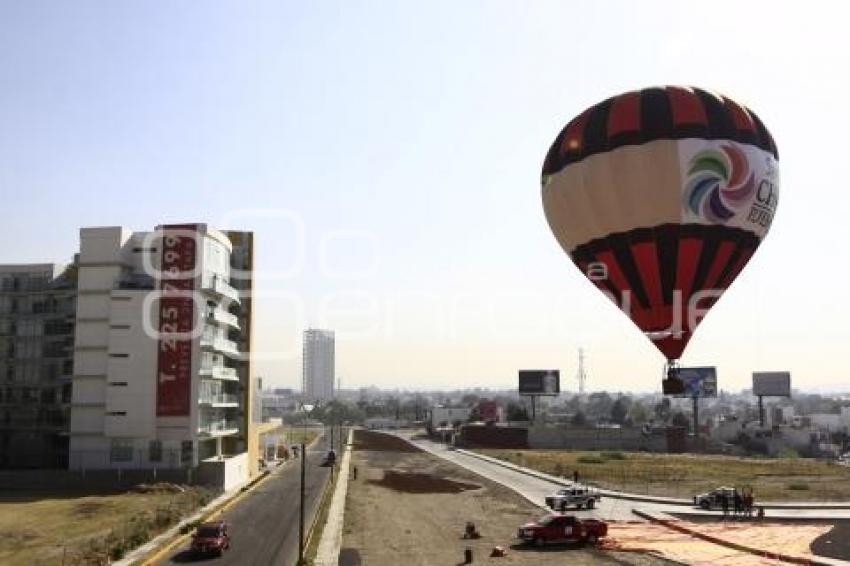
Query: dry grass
x,y
295,434
38,530
684,475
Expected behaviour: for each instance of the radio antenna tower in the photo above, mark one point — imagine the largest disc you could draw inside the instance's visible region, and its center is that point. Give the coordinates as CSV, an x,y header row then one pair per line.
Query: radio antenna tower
x,y
581,376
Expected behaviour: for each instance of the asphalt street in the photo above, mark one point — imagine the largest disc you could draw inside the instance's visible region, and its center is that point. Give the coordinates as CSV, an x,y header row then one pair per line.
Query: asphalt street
x,y
263,526
536,489
532,488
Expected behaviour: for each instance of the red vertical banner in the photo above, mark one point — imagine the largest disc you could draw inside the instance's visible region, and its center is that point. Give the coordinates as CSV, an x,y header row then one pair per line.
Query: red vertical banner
x,y
176,320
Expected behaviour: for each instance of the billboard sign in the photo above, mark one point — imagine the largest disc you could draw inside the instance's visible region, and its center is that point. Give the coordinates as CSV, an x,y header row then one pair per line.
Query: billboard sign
x,y
176,320
772,384
691,382
539,382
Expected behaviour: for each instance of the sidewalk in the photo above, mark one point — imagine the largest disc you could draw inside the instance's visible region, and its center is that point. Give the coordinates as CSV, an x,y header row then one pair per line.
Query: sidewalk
x,y
167,538
328,551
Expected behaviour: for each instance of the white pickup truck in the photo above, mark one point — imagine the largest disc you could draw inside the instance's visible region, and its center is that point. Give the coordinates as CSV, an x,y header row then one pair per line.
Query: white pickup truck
x,y
575,495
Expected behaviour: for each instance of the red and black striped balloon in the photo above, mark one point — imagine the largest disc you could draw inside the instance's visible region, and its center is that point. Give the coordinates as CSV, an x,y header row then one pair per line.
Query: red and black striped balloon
x,y
661,196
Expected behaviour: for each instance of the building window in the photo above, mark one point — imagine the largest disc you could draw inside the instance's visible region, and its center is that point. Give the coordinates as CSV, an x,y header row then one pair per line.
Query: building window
x,y
187,453
119,355
118,384
155,451
117,413
121,450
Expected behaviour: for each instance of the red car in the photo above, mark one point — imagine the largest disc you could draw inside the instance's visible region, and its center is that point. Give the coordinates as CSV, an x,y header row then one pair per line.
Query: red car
x,y
562,528
211,538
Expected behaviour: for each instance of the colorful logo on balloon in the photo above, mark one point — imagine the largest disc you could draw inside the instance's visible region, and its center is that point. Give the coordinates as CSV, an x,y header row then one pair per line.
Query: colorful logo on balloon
x,y
719,183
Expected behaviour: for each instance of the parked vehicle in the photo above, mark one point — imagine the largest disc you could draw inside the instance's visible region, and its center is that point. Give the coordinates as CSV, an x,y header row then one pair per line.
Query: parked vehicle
x,y
211,538
330,458
562,528
576,495
714,498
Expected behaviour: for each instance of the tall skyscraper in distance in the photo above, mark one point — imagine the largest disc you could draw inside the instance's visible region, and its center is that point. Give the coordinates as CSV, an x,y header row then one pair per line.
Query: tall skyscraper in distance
x,y
317,377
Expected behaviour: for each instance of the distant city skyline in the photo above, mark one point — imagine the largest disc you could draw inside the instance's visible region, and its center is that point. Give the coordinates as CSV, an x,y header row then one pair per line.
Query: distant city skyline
x,y
387,159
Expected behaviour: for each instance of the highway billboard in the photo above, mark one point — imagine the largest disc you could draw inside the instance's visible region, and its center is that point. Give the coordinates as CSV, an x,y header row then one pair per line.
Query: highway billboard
x,y
539,382
772,384
691,382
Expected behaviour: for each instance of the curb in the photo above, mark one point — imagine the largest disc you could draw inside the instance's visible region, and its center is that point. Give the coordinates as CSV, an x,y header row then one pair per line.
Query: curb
x,y
329,545
561,481
812,506
673,525
436,454
147,556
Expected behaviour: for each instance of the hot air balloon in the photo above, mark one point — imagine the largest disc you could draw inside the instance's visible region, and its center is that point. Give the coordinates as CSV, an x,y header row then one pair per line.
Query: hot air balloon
x,y
660,197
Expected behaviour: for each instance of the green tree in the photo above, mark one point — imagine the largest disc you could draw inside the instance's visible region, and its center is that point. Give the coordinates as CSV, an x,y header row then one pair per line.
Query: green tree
x,y
680,419
515,412
578,419
638,413
619,412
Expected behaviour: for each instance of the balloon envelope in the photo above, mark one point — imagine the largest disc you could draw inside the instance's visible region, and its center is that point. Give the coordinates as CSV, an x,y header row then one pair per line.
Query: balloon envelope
x,y
660,197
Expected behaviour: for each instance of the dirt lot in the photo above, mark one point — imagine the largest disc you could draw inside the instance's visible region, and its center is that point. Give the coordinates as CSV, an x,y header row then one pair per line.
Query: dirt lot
x,y
81,529
684,475
408,507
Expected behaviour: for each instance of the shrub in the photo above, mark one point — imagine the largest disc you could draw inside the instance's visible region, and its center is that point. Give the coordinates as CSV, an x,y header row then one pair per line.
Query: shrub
x,y
787,452
590,459
798,486
116,552
614,455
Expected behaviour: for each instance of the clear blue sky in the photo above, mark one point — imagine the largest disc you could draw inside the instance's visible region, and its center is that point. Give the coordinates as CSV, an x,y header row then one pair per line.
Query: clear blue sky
x,y
400,144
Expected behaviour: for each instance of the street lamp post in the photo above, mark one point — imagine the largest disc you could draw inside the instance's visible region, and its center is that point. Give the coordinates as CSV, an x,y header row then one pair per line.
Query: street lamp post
x,y
306,409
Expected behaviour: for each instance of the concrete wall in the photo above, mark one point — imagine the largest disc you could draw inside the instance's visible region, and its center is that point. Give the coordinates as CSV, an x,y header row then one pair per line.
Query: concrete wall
x,y
226,473
131,380
476,436
586,438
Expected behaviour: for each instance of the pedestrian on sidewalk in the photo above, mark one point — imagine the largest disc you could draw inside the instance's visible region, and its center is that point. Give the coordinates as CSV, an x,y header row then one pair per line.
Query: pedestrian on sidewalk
x,y
738,502
724,504
748,503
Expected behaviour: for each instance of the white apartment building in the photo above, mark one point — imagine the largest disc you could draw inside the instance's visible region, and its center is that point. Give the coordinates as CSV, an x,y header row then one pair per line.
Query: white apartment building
x,y
317,377
161,375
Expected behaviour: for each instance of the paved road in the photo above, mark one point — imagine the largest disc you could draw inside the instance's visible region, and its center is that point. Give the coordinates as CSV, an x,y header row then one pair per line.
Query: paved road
x,y
532,488
536,489
264,525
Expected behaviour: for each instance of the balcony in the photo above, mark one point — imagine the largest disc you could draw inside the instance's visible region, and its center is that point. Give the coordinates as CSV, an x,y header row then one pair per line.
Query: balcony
x,y
216,285
219,372
212,342
219,400
221,317
135,281
219,428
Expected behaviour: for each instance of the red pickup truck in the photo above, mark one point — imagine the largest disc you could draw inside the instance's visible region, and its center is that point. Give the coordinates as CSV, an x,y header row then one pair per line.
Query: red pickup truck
x,y
562,528
211,538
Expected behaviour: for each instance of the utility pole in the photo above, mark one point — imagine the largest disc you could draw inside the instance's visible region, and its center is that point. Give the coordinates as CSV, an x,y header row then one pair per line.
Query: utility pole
x,y
696,423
